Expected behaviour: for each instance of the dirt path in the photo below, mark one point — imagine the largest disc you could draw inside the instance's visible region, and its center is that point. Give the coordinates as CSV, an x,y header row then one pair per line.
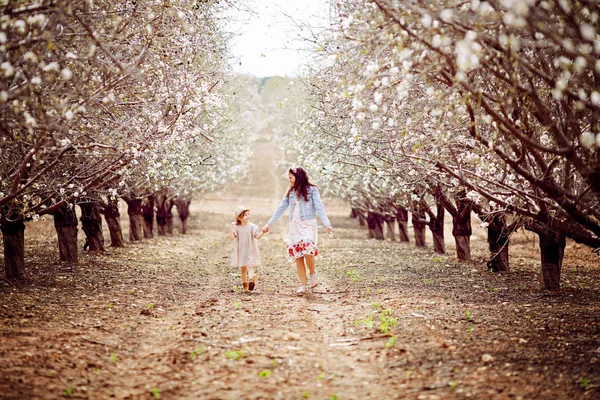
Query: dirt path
x,y
165,319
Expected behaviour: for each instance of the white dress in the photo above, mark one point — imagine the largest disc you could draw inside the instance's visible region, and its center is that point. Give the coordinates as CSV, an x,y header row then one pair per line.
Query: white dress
x,y
303,236
245,246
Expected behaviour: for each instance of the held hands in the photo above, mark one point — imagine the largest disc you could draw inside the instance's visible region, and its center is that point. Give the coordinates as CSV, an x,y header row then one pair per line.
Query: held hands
x,y
266,228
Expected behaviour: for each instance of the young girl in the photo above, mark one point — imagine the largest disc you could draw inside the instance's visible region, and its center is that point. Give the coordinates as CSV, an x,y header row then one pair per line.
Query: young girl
x,y
305,204
245,248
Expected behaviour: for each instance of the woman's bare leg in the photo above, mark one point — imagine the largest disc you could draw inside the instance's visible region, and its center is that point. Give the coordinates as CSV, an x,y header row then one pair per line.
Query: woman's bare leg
x,y
301,270
310,263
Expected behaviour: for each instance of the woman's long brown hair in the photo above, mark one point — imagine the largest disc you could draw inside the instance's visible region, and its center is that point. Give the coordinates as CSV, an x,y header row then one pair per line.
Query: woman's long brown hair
x,y
302,183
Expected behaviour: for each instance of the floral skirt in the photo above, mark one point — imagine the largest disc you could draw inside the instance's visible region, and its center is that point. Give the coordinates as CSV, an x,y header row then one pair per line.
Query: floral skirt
x,y
303,237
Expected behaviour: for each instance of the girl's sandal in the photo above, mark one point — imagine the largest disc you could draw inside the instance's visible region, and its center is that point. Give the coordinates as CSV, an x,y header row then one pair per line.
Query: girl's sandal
x,y
252,283
245,286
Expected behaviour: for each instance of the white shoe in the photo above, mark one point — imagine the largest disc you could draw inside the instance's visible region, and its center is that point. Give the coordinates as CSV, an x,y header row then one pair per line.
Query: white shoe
x,y
301,290
314,282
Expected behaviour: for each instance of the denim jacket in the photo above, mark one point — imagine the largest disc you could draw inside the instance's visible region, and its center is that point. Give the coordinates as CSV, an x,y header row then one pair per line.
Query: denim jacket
x,y
308,209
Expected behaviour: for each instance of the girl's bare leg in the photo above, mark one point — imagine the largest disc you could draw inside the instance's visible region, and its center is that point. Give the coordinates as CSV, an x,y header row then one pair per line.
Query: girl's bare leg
x,y
301,270
243,271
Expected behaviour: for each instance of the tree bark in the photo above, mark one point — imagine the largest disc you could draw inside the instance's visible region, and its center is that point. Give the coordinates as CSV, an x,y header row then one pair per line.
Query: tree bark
x,y
375,224
463,247
169,217
498,240
136,219
418,227
160,199
65,223
389,222
148,213
183,209
91,223
402,218
13,236
113,220
552,249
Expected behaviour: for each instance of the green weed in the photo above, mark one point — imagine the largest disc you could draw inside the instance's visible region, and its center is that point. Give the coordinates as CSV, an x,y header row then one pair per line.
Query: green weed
x,y
235,354
155,392
68,392
468,316
114,358
264,373
390,342
353,275
584,383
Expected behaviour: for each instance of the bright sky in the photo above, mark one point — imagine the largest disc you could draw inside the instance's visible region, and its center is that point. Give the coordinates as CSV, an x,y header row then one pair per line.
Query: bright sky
x,y
269,41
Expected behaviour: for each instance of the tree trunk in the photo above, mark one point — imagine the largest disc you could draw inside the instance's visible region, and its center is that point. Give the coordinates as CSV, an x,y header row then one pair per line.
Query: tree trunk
x,y
418,227
65,223
436,225
498,241
161,213
463,247
13,235
169,226
375,224
91,223
402,218
389,222
136,219
148,213
552,246
113,220
183,209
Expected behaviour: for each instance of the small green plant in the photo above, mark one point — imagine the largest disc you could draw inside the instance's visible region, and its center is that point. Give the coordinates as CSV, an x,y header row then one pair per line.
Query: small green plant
x,y
236,289
264,373
580,285
438,259
238,304
149,306
68,392
470,328
468,316
428,281
155,392
114,358
235,354
375,305
528,317
353,275
390,342
368,322
321,376
495,290
386,321
274,362
110,306
452,384
305,394
195,353
333,397
584,383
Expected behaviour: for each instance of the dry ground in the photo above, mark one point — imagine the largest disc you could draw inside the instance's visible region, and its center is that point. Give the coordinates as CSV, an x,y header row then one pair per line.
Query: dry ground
x,y
164,318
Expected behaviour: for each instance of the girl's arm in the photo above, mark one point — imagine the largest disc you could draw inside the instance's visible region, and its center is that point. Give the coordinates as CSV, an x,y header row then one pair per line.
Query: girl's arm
x,y
232,234
257,233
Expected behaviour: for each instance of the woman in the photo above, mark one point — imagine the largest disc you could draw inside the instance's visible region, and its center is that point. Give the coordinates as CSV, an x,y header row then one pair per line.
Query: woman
x,y
305,204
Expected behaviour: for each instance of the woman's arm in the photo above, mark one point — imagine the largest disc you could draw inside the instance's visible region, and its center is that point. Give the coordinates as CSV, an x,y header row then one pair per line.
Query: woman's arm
x,y
320,208
285,202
